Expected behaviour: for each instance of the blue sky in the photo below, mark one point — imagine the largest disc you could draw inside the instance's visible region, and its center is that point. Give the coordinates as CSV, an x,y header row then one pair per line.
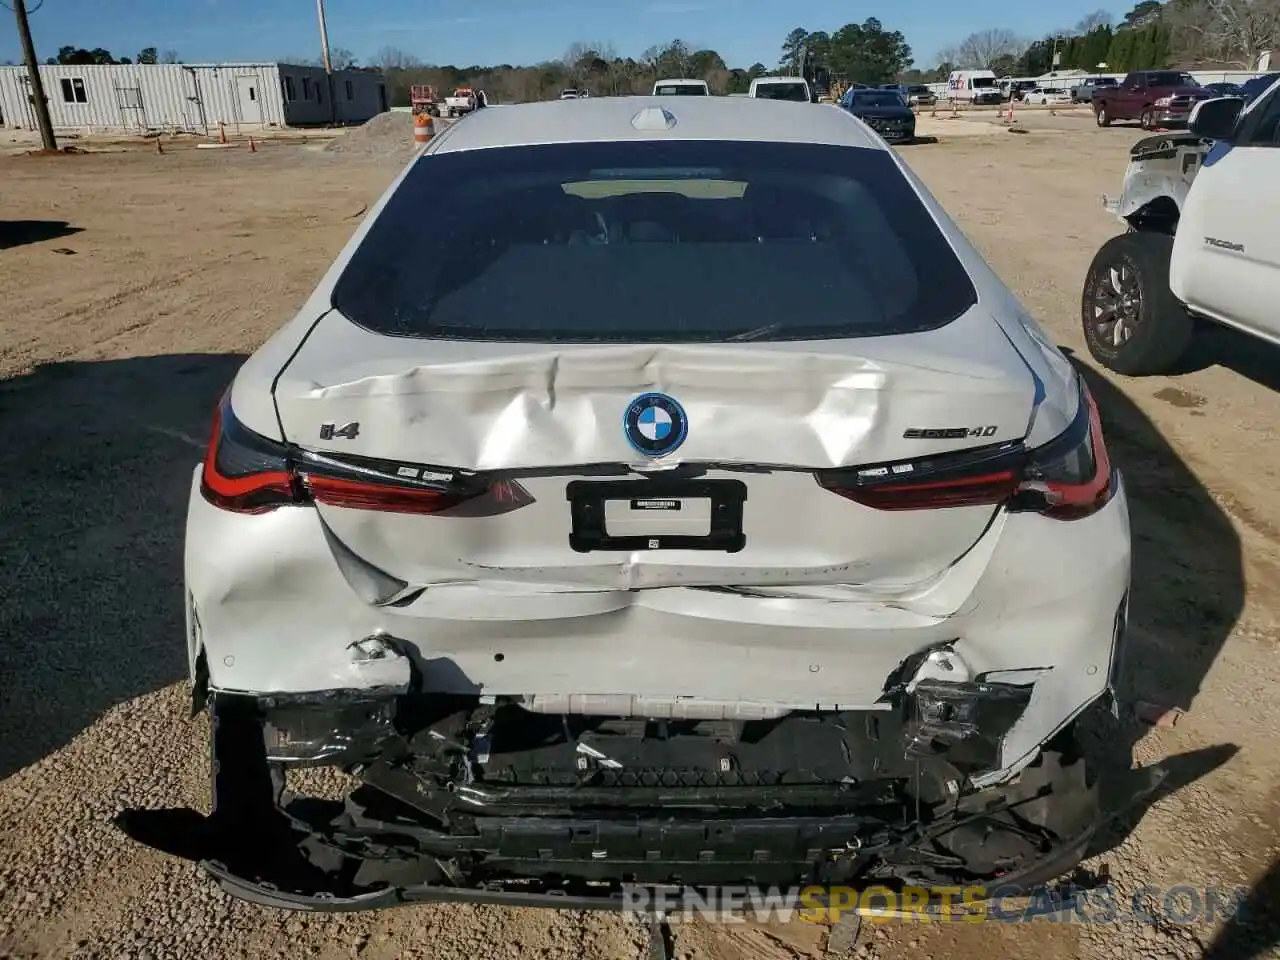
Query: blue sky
x,y
503,31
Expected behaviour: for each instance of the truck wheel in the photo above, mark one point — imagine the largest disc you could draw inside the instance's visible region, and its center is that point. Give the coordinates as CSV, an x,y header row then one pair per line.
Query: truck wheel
x,y
1133,324
1101,117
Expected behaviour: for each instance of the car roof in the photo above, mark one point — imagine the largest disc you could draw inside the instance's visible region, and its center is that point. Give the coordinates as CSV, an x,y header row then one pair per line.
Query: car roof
x,y
606,119
779,80
681,80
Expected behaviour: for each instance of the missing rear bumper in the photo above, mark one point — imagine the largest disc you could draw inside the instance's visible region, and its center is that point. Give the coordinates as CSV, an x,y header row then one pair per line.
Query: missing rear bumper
x,y
487,802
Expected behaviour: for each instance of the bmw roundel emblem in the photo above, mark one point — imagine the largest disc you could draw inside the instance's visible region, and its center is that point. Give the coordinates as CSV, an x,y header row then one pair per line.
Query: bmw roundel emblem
x,y
655,424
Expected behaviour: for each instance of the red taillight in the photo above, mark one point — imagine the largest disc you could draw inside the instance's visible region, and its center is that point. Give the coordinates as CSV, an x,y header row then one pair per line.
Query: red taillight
x,y
244,472
363,495
1067,478
968,478
248,473
969,491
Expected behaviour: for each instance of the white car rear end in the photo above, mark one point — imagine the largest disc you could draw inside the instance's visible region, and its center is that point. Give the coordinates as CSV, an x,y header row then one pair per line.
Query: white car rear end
x,y
792,89
669,416
681,88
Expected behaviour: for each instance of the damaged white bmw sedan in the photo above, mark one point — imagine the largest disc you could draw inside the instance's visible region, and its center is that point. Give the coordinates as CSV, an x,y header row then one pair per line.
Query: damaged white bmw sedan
x,y
650,494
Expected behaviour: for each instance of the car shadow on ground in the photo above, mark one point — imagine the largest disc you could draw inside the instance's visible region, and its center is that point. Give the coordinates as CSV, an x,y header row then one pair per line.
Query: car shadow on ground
x,y
1188,592
1214,345
95,471
16,233
1255,929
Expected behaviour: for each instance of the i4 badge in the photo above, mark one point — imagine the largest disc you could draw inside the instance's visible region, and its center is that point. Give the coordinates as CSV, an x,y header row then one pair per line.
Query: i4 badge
x,y
655,424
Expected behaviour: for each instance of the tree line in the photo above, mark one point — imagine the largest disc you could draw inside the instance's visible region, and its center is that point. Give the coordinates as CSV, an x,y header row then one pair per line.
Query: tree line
x,y
1154,34
77,56
865,52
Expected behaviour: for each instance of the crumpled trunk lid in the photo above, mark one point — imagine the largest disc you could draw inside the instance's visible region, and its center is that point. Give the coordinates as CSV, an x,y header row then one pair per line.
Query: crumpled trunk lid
x,y
764,415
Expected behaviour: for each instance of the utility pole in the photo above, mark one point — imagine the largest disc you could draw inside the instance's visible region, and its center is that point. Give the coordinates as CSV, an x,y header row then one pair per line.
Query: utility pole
x,y
328,65
38,100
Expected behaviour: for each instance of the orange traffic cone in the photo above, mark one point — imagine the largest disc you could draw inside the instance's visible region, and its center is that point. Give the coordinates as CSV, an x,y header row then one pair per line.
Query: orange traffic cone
x,y
222,133
159,147
424,128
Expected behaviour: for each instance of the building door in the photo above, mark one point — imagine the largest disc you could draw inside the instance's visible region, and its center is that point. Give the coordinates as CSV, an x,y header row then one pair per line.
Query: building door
x,y
249,94
133,114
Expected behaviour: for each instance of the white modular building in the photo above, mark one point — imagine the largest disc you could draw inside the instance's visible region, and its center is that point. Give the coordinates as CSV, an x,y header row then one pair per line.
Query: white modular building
x,y
194,98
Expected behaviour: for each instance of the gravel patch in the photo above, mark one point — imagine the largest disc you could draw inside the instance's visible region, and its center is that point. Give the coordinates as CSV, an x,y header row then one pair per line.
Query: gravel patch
x,y
387,135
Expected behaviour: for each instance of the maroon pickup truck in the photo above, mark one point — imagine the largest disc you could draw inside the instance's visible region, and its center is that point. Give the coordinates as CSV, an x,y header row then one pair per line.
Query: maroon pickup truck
x,y
1155,98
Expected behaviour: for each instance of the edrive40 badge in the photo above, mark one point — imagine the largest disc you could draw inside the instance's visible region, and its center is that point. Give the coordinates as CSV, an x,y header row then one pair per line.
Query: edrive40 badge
x,y
655,424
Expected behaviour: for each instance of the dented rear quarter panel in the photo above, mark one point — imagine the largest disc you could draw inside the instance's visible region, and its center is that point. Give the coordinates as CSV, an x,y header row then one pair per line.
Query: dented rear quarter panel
x,y
1161,168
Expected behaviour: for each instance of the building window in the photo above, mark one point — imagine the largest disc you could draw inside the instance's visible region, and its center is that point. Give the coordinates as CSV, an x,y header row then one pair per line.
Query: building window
x,y
73,90
351,90
290,92
306,88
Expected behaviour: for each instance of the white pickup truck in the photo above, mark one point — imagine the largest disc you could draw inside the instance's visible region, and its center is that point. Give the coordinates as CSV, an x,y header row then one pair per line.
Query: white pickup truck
x,y
462,102
1202,211
781,88
681,87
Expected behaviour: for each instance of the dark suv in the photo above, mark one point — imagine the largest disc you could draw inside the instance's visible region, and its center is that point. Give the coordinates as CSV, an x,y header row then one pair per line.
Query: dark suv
x,y
1155,98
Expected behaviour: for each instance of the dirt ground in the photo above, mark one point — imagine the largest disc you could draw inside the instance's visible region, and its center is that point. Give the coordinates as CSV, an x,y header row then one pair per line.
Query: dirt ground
x,y
135,284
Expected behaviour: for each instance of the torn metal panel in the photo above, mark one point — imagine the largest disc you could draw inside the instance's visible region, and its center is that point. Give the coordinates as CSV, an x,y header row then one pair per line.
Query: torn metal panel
x,y
1003,609
1161,169
438,817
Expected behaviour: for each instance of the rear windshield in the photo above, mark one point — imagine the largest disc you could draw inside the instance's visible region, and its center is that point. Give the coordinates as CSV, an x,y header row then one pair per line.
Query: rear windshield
x,y
678,241
782,91
680,90
1171,80
876,98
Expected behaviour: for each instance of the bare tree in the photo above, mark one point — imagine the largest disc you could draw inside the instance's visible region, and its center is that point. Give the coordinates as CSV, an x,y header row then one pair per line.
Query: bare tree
x,y
588,64
576,52
1228,31
340,58
1091,22
980,50
170,56
393,58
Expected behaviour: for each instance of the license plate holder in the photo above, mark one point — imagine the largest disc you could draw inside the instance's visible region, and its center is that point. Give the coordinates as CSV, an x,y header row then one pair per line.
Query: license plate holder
x,y
587,500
